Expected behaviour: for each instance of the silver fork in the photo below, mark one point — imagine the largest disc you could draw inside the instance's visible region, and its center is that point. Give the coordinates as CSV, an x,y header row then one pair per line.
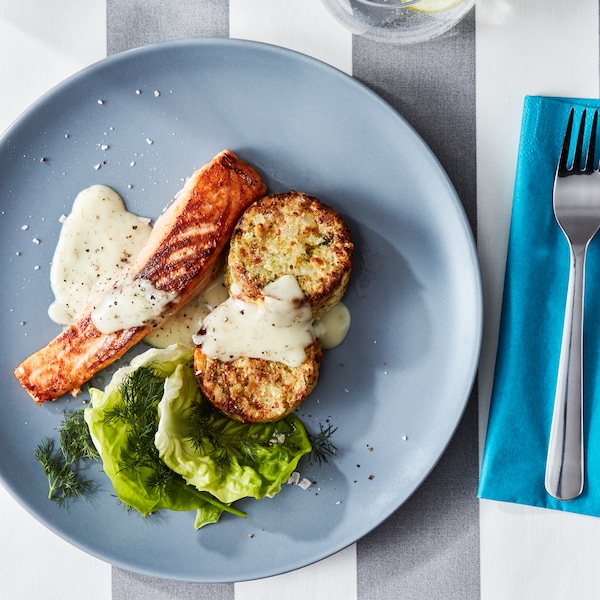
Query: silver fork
x,y
576,203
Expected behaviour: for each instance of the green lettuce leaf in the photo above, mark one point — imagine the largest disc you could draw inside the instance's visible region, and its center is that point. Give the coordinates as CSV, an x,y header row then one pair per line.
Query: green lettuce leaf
x,y
228,459
140,479
163,446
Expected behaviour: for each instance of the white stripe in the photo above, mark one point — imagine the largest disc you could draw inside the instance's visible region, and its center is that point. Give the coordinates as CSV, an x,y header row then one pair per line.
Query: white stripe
x,y
301,25
333,578
537,49
304,26
39,49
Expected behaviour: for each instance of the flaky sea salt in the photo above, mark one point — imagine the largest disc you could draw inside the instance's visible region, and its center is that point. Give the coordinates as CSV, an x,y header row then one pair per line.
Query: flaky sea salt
x,y
278,438
294,478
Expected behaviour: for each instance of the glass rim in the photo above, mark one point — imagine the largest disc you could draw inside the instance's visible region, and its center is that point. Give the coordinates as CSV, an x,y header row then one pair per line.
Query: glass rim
x,y
398,4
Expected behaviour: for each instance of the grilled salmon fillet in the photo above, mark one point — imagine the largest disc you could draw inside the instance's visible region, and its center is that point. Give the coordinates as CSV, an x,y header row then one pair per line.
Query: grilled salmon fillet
x,y
183,254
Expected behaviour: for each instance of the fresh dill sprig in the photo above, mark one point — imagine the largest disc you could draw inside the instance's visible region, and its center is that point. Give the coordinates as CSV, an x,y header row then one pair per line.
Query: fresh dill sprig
x,y
248,450
159,476
212,434
204,437
61,465
75,438
322,447
141,391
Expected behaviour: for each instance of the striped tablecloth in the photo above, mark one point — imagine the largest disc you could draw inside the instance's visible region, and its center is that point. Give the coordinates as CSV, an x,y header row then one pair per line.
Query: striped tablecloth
x,y
463,93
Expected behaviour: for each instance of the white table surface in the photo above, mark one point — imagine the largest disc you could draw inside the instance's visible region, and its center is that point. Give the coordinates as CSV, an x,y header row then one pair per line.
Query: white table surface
x,y
523,47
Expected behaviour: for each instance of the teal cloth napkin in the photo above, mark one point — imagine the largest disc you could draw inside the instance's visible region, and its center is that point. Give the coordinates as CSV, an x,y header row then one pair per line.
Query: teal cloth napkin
x,y
535,287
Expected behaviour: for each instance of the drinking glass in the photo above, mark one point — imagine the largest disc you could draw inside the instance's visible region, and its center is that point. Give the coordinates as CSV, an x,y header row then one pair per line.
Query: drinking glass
x,y
399,21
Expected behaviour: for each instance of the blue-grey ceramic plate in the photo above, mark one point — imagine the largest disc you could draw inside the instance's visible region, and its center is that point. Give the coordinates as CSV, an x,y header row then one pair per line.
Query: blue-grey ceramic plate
x,y
395,389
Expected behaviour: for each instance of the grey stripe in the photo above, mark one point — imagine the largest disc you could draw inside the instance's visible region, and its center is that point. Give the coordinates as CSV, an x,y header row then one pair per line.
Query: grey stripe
x,y
432,85
132,24
136,23
131,586
430,547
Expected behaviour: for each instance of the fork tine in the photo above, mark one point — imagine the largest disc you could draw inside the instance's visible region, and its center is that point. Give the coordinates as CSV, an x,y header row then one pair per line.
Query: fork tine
x,y
590,164
563,167
579,145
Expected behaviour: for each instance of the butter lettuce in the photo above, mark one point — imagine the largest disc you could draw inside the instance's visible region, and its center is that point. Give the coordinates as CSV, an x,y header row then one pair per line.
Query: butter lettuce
x,y
216,454
189,457
143,482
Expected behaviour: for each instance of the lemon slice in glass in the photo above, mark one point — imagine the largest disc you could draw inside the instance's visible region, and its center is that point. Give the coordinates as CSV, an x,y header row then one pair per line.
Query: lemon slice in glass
x,y
434,6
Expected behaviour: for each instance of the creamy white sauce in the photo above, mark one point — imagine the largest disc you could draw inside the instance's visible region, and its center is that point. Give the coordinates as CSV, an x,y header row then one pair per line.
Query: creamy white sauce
x,y
333,326
130,303
183,325
97,240
277,329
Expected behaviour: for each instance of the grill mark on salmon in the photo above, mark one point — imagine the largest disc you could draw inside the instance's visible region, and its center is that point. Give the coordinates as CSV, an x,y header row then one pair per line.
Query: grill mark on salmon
x,y
183,254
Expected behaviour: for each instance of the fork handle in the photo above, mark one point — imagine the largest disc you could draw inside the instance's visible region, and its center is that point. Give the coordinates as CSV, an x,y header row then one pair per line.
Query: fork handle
x,y
565,463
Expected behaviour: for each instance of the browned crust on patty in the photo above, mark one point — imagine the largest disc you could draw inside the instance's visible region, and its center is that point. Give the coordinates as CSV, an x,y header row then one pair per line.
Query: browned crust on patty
x,y
254,390
291,234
